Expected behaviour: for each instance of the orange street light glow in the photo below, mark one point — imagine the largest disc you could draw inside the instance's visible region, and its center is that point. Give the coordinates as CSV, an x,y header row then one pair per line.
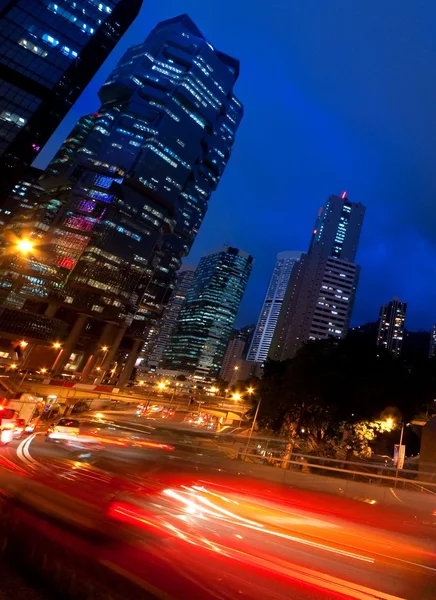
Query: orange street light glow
x,y
24,246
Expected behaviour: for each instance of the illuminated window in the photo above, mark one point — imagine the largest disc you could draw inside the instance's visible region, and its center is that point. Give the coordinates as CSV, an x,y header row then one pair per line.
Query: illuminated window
x,y
32,47
50,40
13,118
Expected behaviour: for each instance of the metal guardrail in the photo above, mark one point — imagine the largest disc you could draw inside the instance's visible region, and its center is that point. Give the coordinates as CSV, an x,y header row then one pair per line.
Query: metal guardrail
x,y
375,473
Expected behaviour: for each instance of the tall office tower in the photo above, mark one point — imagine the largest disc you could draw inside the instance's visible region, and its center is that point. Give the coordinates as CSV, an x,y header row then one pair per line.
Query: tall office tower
x,y
171,313
126,195
206,319
272,305
236,350
391,326
321,290
246,333
432,349
49,52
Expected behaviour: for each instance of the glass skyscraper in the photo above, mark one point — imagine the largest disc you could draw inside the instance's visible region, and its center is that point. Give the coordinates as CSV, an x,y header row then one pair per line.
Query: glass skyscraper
x,y
126,194
391,326
205,322
322,287
171,313
240,340
49,52
272,305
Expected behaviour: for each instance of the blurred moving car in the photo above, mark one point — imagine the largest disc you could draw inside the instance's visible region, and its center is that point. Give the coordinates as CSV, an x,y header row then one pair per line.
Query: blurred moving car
x,y
19,429
64,429
7,424
155,412
197,419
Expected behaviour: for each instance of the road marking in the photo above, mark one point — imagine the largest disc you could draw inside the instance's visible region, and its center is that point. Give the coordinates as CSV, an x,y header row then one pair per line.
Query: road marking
x,y
157,593
26,449
23,452
319,579
396,496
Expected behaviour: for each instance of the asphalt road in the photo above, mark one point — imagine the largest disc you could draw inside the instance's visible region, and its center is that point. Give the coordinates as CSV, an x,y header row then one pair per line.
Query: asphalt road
x,y
12,585
249,539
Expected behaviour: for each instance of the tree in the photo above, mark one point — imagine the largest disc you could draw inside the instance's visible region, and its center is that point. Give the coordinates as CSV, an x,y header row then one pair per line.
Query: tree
x,y
336,386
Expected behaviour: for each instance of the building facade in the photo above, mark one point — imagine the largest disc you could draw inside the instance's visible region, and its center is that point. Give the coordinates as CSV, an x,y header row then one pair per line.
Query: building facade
x,y
322,286
125,196
432,349
272,305
49,52
170,315
206,319
237,347
391,326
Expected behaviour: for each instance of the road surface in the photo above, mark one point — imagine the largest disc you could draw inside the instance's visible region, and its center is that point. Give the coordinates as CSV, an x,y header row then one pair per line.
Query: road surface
x,y
231,537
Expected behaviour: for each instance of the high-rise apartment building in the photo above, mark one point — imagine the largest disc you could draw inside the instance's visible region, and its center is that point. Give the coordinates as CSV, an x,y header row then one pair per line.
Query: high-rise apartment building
x,y
49,52
125,196
205,322
391,326
321,290
432,349
272,305
171,313
236,350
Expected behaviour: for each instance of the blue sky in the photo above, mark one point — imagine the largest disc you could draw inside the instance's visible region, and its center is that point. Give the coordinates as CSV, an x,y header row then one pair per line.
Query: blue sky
x,y
339,95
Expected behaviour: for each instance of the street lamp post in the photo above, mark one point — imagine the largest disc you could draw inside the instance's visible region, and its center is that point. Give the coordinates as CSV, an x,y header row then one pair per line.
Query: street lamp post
x,y
174,393
23,378
102,376
254,420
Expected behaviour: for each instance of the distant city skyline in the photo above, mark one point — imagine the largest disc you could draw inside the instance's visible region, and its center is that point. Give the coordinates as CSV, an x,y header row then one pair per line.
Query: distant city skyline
x,y
351,137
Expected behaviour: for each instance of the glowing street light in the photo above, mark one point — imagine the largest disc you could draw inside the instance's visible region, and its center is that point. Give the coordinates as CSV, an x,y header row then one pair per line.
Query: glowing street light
x,y
24,246
161,385
43,370
213,390
250,390
57,345
236,396
13,366
389,423
105,348
24,344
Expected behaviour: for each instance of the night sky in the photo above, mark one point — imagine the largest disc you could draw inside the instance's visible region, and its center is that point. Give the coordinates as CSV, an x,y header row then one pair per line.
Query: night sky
x,y
339,95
